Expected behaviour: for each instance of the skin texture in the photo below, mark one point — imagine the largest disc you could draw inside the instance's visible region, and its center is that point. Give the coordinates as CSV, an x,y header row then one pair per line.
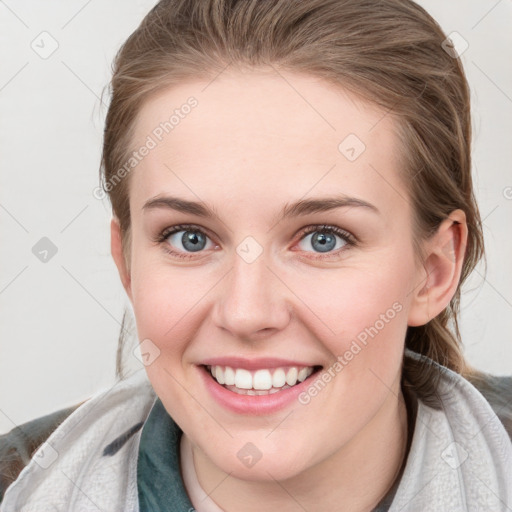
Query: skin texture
x,y
252,145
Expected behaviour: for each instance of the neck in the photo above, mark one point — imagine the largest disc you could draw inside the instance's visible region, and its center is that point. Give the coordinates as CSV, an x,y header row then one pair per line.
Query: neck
x,y
359,475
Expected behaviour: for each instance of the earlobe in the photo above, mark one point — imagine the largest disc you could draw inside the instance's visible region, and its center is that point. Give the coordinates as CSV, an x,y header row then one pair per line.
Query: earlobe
x,y
442,268
116,248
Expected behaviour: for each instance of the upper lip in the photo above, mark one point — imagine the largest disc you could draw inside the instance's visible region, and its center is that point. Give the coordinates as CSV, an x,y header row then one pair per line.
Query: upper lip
x,y
254,364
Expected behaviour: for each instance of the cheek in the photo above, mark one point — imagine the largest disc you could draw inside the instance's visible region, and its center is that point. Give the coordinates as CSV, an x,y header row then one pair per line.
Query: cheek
x,y
165,302
350,301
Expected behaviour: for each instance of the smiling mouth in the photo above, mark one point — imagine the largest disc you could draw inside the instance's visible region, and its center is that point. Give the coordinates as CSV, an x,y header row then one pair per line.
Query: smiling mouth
x,y
260,382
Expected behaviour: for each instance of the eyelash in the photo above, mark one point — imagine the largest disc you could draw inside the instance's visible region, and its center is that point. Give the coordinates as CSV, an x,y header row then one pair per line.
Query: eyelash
x,y
348,238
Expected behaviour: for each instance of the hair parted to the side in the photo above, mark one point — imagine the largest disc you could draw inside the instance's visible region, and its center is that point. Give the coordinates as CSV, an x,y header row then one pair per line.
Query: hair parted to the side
x,y
388,52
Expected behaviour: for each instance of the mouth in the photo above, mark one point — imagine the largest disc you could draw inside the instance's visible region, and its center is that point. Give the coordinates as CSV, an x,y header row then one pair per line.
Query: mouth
x,y
264,381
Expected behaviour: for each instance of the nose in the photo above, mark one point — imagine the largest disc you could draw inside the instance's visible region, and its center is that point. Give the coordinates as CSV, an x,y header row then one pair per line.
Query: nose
x,y
253,302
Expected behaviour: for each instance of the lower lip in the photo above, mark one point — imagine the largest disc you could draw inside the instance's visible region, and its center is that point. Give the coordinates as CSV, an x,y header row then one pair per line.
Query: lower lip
x,y
252,404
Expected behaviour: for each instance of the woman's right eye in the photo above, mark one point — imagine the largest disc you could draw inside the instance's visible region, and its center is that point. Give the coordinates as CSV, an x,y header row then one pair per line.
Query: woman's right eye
x,y
186,239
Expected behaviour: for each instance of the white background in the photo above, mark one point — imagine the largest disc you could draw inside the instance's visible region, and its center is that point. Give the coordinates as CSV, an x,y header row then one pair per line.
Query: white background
x,y
59,320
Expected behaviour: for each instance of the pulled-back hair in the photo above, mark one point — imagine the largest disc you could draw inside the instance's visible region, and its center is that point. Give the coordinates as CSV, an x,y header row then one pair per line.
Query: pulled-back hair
x,y
388,52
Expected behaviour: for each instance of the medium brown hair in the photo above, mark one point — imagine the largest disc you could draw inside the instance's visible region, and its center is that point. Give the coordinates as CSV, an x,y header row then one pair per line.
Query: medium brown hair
x,y
388,52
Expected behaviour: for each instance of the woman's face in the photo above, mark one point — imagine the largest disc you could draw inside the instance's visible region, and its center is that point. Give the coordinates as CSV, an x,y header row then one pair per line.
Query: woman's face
x,y
262,169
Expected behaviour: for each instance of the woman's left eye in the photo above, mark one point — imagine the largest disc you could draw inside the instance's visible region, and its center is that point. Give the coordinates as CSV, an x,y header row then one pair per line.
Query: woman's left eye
x,y
326,239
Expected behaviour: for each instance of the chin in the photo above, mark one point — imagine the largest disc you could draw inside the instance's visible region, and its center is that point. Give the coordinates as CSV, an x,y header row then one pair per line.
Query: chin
x,y
260,461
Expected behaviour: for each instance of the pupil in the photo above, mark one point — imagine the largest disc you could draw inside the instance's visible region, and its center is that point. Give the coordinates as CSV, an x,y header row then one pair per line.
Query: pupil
x,y
327,242
192,241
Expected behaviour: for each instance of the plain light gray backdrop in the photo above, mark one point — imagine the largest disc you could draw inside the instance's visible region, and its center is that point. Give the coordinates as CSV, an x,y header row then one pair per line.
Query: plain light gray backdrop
x,y
60,319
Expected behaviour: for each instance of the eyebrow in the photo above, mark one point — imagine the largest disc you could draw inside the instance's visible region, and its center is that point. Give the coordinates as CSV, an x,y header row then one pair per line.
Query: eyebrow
x,y
301,207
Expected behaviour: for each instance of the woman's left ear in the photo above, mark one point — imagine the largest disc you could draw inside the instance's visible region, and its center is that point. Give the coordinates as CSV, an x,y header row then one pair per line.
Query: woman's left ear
x,y
440,275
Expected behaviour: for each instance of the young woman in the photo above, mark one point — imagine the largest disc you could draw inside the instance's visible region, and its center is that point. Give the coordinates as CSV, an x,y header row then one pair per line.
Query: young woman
x,y
293,218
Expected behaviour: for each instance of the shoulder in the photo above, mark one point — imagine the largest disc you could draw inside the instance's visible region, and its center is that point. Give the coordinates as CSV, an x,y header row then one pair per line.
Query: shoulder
x,y
483,394
73,430
497,390
18,445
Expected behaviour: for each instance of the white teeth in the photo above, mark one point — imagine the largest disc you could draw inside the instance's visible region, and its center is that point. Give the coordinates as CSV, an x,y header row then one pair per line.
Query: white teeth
x,y
303,373
262,380
279,378
291,376
259,382
219,375
229,376
243,379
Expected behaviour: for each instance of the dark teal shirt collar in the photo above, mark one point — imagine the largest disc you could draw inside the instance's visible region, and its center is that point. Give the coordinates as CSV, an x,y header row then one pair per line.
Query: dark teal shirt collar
x,y
159,482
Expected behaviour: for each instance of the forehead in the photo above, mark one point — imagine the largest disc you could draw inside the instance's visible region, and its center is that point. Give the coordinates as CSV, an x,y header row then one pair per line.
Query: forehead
x,y
241,133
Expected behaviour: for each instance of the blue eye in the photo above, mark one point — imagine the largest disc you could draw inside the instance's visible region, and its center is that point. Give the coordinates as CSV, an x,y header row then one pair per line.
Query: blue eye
x,y
325,239
192,241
